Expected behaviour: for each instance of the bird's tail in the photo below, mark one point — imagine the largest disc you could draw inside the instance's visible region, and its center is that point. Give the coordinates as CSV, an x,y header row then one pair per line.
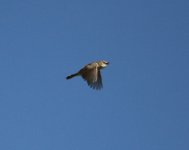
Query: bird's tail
x,y
71,76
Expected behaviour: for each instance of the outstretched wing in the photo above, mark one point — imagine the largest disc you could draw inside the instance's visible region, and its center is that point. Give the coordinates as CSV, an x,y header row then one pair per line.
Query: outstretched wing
x,y
93,77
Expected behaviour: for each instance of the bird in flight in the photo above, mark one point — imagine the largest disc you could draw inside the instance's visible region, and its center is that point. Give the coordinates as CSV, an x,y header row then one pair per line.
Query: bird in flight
x,y
91,74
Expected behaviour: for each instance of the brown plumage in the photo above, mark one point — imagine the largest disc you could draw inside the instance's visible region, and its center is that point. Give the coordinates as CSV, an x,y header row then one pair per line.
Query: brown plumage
x,y
91,74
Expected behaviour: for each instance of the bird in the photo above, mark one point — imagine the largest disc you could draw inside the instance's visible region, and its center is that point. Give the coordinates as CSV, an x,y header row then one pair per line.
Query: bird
x,y
91,74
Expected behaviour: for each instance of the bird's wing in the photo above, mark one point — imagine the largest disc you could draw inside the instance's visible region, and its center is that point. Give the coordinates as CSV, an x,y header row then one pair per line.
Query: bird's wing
x,y
100,85
93,78
90,75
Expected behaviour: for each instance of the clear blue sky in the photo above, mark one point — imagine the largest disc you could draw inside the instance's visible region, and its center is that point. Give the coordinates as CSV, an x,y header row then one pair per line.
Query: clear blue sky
x,y
144,104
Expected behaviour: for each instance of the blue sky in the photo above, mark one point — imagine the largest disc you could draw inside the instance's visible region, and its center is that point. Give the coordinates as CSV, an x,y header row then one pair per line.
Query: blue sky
x,y
144,104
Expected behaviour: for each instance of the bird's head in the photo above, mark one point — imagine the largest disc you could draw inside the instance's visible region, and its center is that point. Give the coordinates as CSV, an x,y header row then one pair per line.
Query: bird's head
x,y
103,64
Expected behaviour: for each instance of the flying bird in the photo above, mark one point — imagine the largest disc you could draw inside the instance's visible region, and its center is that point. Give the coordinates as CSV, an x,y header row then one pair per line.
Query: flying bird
x,y
91,74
